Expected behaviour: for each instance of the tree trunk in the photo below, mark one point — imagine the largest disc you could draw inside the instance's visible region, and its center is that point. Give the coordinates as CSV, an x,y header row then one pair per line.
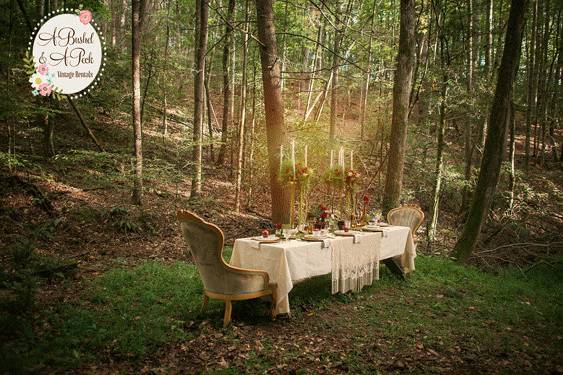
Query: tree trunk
x,y
489,45
364,102
334,84
226,83
242,119
164,71
511,147
440,131
250,178
137,14
531,95
314,66
275,126
496,134
467,138
401,94
202,12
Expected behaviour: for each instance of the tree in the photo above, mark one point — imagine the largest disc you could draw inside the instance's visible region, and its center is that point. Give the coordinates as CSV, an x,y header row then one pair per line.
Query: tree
x,y
401,93
242,118
202,13
226,82
273,105
137,14
496,133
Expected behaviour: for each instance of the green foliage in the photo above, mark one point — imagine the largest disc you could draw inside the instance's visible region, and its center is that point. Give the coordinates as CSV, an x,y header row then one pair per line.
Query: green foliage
x,y
130,312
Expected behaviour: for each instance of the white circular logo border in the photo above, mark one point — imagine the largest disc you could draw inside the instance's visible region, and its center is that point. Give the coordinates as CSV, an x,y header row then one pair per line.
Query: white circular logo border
x,y
100,34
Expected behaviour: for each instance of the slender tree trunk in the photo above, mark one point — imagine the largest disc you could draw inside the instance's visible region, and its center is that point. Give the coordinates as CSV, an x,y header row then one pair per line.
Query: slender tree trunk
x,y
250,180
368,76
147,84
496,134
489,45
314,67
226,83
334,84
531,97
209,108
202,12
440,131
242,120
164,72
543,81
511,147
467,137
137,14
275,126
401,94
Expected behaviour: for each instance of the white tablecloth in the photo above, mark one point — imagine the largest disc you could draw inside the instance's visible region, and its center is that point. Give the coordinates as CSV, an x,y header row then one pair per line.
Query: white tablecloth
x,y
288,262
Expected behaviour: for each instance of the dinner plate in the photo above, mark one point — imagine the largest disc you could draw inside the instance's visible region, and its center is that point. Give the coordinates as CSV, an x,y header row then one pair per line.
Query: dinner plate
x,y
266,240
315,239
346,234
372,229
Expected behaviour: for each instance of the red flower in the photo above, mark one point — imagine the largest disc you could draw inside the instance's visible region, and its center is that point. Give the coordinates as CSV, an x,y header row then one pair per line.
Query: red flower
x,y
324,215
278,226
366,199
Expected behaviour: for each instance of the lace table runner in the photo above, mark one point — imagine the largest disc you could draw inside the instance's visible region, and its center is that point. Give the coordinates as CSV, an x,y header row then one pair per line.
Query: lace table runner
x,y
355,265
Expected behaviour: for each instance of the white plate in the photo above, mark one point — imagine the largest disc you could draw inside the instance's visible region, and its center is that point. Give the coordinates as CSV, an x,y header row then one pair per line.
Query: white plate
x,y
350,233
269,239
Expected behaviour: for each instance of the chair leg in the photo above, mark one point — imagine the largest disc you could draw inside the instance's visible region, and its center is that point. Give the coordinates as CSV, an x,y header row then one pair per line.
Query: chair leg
x,y
204,303
228,310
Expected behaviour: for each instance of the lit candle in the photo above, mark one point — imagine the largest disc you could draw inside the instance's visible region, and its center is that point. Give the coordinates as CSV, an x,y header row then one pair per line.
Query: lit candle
x,y
305,155
293,156
331,157
352,159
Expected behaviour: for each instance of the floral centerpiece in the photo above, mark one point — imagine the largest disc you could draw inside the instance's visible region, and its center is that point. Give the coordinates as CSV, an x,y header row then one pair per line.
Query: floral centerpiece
x,y
321,215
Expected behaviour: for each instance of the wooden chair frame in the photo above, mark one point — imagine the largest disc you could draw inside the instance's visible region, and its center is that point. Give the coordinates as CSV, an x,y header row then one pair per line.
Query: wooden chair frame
x,y
187,216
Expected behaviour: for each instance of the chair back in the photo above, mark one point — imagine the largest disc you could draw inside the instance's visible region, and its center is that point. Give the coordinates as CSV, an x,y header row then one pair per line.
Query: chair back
x,y
408,216
205,241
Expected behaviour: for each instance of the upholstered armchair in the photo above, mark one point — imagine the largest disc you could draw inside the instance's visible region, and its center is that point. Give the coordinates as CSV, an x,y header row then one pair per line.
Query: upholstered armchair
x,y
220,280
408,216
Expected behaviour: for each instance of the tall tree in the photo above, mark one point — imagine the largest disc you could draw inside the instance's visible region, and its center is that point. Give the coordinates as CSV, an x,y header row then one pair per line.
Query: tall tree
x,y
242,118
496,133
202,13
334,72
401,93
137,14
227,45
440,129
467,137
273,105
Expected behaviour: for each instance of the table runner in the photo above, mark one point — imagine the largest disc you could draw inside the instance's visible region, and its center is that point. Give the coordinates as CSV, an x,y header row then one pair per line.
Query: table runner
x,y
355,265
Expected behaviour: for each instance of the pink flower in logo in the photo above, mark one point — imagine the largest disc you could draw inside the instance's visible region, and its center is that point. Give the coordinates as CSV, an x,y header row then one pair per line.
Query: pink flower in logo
x,y
85,17
42,69
45,89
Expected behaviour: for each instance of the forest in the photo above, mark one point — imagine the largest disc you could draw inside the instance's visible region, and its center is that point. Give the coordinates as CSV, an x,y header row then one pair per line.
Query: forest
x,y
313,118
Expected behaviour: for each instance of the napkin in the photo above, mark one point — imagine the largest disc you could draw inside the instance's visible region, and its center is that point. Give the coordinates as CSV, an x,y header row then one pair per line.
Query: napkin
x,y
357,238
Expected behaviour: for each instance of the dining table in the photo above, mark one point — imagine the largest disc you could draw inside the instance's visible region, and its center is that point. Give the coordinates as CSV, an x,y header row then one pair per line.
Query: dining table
x,y
352,258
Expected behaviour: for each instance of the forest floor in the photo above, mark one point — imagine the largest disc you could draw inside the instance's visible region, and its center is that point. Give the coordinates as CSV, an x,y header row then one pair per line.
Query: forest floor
x,y
91,283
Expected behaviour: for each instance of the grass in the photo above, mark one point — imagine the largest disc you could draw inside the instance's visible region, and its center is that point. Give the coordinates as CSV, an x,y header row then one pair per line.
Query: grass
x,y
129,313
